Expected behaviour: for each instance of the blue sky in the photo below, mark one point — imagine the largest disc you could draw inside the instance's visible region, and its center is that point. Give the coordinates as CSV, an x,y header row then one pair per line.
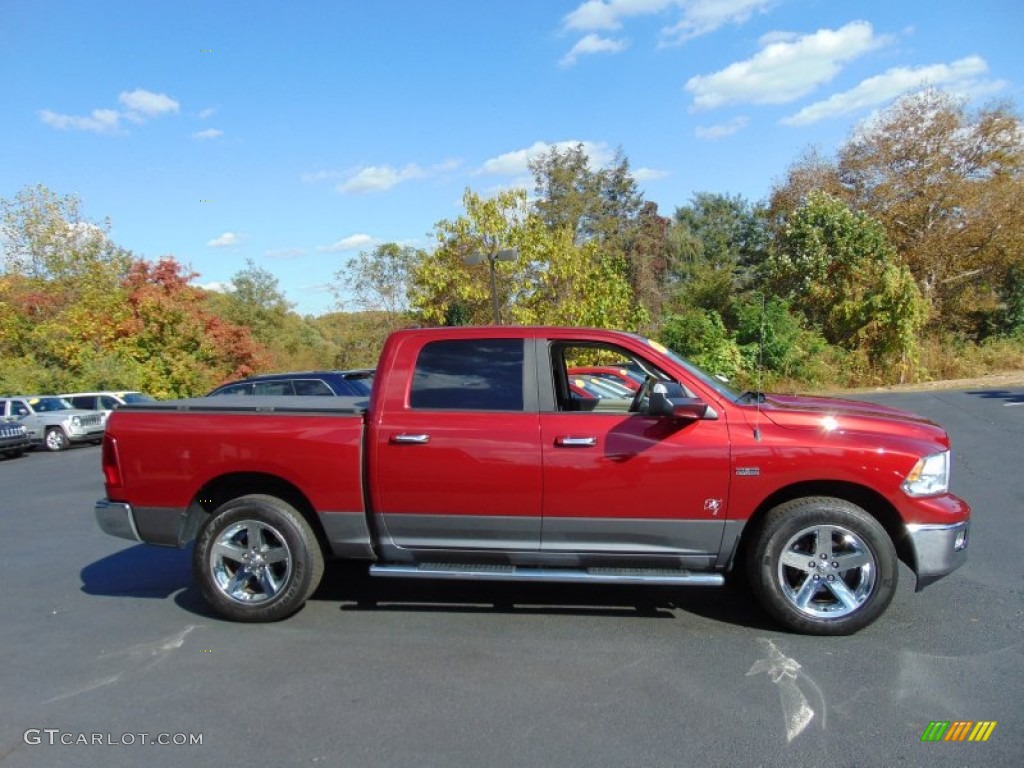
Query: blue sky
x,y
296,134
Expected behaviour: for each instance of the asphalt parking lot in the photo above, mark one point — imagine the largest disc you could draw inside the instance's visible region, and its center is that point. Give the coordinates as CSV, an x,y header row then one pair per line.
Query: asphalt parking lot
x,y
105,641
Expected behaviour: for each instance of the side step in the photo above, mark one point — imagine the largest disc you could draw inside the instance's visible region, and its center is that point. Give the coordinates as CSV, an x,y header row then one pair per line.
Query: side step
x,y
654,576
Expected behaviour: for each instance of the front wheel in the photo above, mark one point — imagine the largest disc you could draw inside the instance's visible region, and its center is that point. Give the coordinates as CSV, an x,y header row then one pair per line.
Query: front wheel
x,y
823,566
257,559
56,440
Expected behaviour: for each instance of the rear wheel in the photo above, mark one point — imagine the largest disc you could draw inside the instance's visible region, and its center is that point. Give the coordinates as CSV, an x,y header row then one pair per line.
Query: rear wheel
x,y
823,566
257,559
55,439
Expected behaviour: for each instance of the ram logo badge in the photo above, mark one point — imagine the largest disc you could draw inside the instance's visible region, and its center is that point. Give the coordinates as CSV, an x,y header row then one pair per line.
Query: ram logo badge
x,y
712,505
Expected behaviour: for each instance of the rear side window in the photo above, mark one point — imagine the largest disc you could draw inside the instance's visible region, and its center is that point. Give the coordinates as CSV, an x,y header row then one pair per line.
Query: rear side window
x,y
311,387
469,375
88,402
283,387
236,389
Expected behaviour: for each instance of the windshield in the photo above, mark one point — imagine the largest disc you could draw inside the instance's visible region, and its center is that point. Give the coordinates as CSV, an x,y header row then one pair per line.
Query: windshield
x,y
47,404
709,380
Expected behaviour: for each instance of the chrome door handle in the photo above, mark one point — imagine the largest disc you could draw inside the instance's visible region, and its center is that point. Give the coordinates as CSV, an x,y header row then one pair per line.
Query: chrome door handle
x,y
575,442
410,439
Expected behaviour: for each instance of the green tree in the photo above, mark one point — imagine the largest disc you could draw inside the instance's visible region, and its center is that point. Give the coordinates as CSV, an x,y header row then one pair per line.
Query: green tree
x,y
256,301
442,283
837,268
577,285
716,239
701,336
61,298
380,281
946,185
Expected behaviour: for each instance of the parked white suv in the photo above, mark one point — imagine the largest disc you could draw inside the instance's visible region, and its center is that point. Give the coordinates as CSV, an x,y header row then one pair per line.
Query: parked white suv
x,y
105,401
52,422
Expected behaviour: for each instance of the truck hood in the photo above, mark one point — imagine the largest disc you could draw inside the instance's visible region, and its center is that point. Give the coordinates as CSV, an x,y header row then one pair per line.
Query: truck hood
x,y
834,414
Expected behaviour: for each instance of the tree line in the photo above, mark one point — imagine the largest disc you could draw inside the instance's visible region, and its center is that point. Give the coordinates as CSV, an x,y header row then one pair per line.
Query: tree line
x,y
899,258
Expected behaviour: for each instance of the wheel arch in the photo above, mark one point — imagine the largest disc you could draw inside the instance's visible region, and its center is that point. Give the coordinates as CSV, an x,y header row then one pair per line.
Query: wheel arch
x,y
223,489
864,497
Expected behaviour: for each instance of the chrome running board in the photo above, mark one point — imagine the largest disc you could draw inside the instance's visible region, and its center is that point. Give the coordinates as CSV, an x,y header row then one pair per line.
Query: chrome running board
x,y
653,576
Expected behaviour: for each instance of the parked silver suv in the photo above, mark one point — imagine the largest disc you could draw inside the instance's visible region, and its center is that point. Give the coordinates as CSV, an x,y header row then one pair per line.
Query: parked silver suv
x,y
51,421
105,402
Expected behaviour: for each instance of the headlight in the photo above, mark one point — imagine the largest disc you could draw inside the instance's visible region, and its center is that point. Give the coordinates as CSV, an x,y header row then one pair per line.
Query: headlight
x,y
930,476
75,421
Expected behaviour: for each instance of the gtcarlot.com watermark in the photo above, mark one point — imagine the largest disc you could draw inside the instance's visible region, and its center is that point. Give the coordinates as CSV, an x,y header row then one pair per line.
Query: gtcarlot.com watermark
x,y
55,736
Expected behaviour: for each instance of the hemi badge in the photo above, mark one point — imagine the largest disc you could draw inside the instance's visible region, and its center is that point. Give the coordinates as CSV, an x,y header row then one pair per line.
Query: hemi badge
x,y
748,471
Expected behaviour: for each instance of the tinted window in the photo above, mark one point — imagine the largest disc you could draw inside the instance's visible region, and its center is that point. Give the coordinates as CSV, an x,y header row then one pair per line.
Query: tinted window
x,y
236,389
311,387
469,374
283,387
88,402
137,397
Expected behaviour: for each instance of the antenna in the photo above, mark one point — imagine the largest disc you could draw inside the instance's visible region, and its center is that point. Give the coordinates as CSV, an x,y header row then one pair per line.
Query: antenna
x,y
760,374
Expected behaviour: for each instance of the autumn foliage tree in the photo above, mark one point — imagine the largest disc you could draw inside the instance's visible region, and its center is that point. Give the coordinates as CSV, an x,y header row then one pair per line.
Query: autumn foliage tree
x,y
946,185
180,348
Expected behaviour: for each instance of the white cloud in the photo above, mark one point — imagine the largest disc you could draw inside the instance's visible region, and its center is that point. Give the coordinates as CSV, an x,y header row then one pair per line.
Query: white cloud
x,y
98,121
207,113
648,174
696,17
720,131
378,178
209,133
517,162
703,16
785,70
226,240
959,75
350,243
142,103
592,44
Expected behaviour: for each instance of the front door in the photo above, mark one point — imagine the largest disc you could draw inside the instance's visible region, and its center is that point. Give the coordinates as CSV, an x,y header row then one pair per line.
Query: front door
x,y
620,482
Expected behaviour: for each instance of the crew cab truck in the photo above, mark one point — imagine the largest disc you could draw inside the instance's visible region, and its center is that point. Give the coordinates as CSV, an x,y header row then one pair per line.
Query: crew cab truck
x,y
472,458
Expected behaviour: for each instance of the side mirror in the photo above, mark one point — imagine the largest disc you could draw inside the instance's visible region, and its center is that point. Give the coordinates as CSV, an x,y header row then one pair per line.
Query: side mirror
x,y
689,408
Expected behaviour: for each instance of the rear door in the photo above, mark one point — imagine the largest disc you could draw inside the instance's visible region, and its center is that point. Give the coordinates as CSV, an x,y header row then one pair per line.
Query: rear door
x,y
457,456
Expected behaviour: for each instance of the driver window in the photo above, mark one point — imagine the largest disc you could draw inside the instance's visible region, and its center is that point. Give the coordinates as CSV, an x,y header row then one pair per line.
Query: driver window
x,y
598,377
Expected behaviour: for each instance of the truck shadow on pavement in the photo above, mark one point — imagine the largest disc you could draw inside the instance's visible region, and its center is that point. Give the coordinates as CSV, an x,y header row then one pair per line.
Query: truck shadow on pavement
x,y
158,573
356,590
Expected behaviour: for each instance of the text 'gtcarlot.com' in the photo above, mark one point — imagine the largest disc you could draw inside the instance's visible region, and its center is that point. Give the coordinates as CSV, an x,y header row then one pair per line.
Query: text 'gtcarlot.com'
x,y
55,736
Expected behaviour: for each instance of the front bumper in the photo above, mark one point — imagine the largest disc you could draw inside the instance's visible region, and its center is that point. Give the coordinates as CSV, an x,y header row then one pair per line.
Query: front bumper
x,y
938,550
86,433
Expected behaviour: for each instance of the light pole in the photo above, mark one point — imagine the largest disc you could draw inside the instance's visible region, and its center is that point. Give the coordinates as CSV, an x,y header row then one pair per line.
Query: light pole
x,y
492,257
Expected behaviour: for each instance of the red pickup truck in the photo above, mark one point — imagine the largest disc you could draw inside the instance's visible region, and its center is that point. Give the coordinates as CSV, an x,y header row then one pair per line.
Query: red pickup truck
x,y
473,458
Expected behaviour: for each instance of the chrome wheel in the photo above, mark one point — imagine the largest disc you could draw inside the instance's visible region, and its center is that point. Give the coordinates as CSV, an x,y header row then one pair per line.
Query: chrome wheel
x,y
826,571
55,439
250,562
822,565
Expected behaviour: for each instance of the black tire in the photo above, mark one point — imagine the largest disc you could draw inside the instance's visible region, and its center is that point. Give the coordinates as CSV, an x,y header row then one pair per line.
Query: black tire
x,y
822,566
257,559
55,440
